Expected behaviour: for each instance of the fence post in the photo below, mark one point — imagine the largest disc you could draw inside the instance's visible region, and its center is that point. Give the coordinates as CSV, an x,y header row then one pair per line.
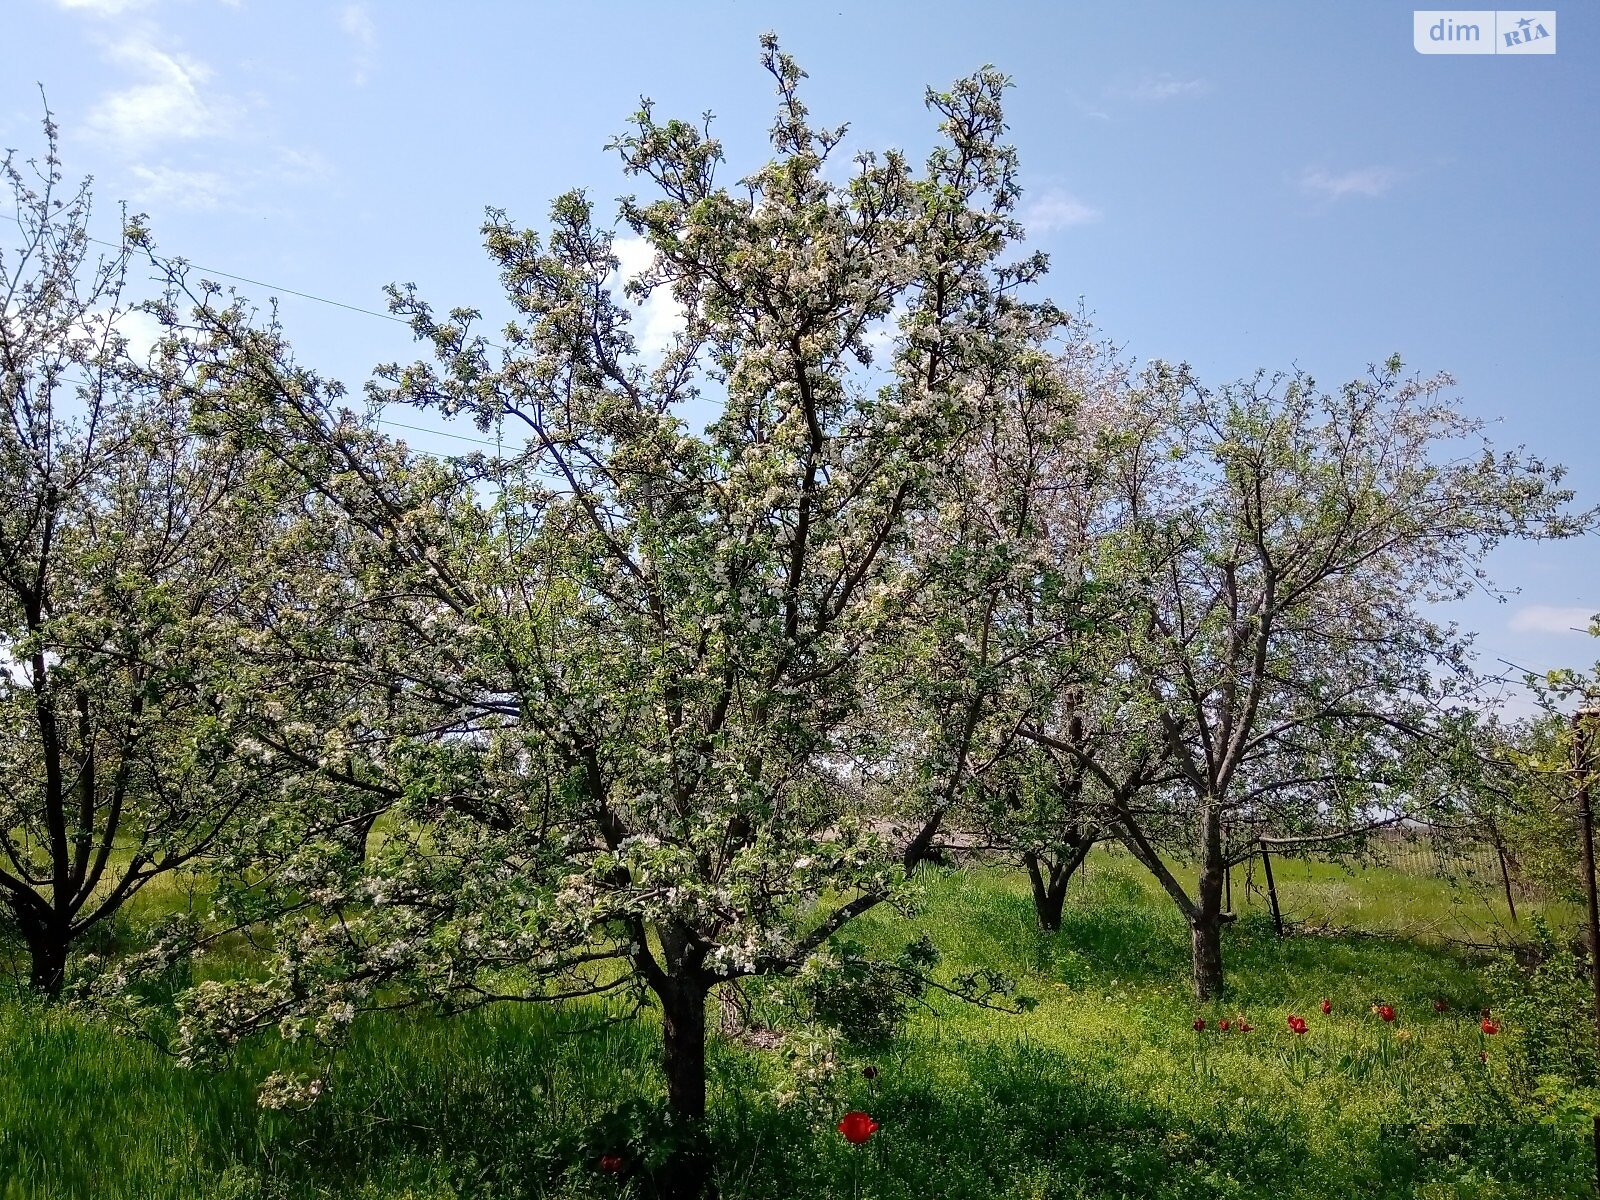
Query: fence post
x,y
1505,878
1272,892
1580,770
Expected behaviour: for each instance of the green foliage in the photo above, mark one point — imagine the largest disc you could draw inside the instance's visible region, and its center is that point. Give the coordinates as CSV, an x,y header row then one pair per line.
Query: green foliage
x,y
1547,1007
865,999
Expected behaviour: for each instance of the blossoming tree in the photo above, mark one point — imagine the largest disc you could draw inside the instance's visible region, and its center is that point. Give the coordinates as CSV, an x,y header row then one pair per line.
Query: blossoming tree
x,y
1277,549
123,543
646,644
1011,617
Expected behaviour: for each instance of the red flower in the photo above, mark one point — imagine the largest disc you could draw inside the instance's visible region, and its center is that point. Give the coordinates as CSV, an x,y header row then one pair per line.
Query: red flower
x,y
1244,1026
1223,1025
1199,1024
1440,1006
1482,1057
611,1164
1490,1027
1327,1006
1386,1011
869,1072
857,1127
1297,1024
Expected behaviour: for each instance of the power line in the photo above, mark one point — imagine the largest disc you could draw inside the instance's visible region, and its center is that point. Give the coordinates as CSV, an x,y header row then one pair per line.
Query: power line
x,y
272,287
460,437
355,308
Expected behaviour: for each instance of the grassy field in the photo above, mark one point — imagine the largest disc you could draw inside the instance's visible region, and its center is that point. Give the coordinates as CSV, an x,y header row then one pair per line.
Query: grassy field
x,y
1104,1090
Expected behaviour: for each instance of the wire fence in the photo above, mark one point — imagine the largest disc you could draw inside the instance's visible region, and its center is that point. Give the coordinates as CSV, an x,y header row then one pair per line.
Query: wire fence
x,y
1431,884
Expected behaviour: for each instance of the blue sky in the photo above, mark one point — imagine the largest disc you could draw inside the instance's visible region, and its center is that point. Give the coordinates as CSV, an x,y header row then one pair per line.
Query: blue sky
x,y
1238,185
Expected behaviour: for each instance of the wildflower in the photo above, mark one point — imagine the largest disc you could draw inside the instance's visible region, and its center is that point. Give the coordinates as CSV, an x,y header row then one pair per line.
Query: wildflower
x,y
1223,1024
1297,1024
869,1072
1440,1006
1199,1024
857,1127
611,1164
1490,1027
1386,1011
1243,1026
1327,1006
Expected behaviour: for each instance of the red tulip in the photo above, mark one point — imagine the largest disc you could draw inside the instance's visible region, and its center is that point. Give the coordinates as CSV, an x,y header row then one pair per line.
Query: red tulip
x,y
1440,1006
1244,1026
611,1164
1223,1025
1386,1011
1199,1024
1297,1024
1490,1027
1327,1006
869,1072
857,1127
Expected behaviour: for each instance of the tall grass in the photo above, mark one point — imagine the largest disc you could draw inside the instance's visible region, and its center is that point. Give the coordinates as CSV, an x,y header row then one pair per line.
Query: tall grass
x,y
1104,1090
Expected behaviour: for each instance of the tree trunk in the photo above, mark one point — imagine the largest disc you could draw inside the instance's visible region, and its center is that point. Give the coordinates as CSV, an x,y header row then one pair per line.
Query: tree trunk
x,y
1205,943
1205,925
687,1174
1048,898
48,952
1049,877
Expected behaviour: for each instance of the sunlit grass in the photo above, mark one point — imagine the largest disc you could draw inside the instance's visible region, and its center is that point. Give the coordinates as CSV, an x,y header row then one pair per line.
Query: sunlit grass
x,y
1103,1090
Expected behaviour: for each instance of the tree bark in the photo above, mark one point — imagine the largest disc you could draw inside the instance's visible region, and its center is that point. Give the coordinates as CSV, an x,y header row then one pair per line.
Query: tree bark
x,y
1049,877
1205,924
1205,940
48,952
687,1174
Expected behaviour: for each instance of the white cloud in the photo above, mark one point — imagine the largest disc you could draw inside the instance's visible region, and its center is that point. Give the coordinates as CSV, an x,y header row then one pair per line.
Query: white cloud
x,y
1153,89
356,21
168,105
104,8
1086,107
1364,181
881,334
142,330
181,136
1057,210
1545,618
239,188
660,316
303,167
173,187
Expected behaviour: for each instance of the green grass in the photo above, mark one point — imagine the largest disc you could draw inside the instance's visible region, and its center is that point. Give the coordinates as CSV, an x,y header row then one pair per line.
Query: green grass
x,y
1103,1090
1419,907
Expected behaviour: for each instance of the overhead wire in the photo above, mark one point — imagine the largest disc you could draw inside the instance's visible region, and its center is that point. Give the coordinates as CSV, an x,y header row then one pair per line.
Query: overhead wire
x,y
355,308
